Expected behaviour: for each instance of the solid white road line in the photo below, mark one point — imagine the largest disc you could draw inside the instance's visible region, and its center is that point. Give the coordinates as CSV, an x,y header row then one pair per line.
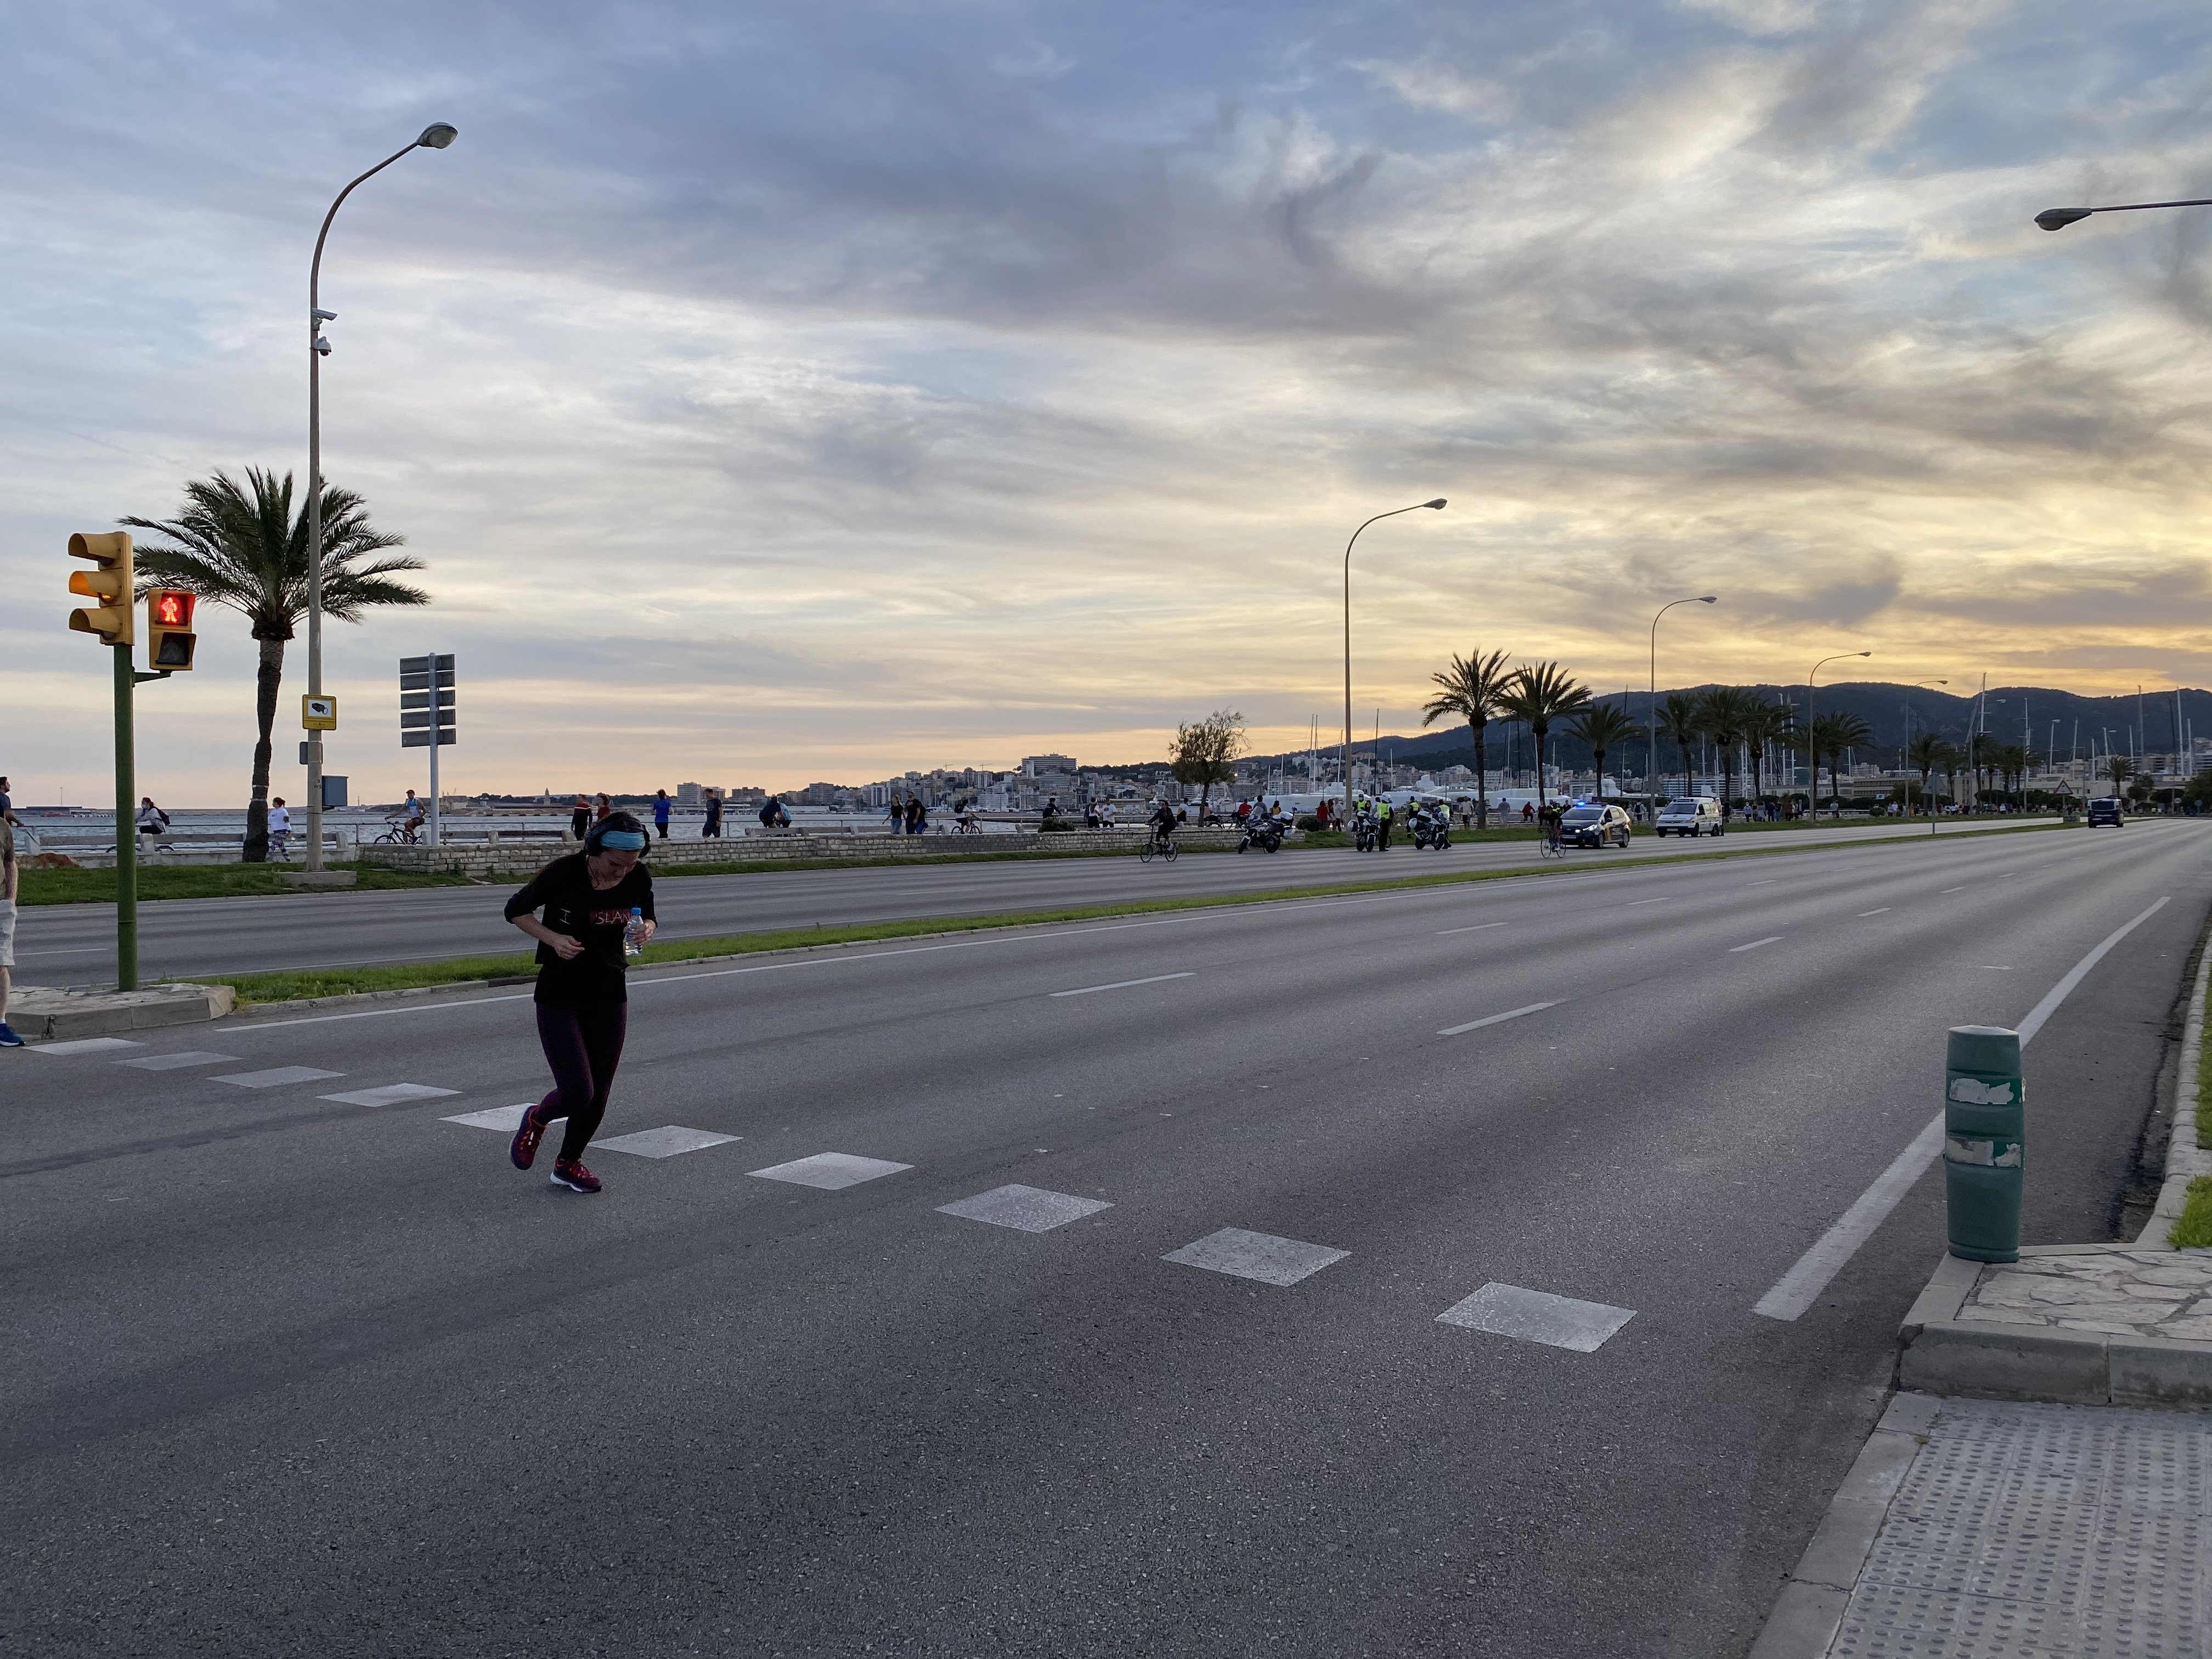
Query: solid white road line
x,y
1796,1289
1477,928
1771,938
1121,985
1497,1019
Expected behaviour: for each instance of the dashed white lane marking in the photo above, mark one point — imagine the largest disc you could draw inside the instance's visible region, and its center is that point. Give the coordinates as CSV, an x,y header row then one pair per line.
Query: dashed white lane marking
x,y
1263,1256
1028,1209
1476,928
505,1119
277,1076
1951,889
85,1046
1771,938
1560,1321
1769,881
1122,985
1808,1276
667,1141
1497,1019
1633,903
1882,912
830,1172
390,1095
171,1062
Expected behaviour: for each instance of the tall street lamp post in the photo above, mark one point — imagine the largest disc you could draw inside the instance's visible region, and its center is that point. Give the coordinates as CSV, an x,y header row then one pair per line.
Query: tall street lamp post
x,y
1651,707
437,136
1391,513
1813,755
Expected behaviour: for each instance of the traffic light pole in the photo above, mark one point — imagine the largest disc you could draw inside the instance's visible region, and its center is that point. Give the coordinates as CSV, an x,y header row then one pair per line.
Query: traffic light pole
x,y
126,826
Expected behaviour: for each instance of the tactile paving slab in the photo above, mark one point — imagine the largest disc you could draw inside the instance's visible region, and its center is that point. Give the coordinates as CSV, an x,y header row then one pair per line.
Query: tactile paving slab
x,y
2035,1530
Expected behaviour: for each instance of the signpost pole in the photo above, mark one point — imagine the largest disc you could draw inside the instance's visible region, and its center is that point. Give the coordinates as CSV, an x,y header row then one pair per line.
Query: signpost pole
x,y
437,717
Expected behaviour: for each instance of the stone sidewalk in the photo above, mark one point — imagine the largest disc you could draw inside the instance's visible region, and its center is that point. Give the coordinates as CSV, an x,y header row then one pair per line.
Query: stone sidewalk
x,y
2123,1291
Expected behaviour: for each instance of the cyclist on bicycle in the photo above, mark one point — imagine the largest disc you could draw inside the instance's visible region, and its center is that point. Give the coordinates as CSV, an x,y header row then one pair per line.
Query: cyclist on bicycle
x,y
1553,816
1164,824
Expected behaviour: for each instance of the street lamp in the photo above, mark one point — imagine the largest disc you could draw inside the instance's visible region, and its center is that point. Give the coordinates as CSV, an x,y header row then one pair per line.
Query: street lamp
x,y
1813,755
437,136
1391,513
1652,709
2059,218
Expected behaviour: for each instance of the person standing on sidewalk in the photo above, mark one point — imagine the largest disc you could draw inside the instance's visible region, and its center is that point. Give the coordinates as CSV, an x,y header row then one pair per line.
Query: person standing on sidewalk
x,y
712,829
8,1037
660,812
580,818
582,999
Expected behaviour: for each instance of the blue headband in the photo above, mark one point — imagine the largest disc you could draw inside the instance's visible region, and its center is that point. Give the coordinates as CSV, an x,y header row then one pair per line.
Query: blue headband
x,y
627,841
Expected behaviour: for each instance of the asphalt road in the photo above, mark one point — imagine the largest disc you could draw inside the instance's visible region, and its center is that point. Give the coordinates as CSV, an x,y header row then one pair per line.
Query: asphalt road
x,y
289,1374
74,944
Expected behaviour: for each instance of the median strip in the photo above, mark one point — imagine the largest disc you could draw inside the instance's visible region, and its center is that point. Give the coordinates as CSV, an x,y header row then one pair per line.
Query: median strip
x,y
288,985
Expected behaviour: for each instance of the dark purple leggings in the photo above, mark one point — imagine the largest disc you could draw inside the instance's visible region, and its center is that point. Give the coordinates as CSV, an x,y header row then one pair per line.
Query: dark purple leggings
x,y
583,1046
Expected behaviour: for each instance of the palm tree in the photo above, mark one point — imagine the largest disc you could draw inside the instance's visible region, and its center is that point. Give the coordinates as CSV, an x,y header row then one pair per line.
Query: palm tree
x,y
1726,712
1539,693
1952,762
1475,688
1831,734
1770,728
244,549
1602,726
1681,723
1928,752
2120,768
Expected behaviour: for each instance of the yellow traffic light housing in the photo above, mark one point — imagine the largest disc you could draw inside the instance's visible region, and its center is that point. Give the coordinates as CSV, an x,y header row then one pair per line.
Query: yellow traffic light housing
x,y
110,584
169,636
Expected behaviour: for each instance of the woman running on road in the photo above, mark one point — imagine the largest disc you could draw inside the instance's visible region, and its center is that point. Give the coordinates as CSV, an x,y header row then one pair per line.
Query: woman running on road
x,y
583,1002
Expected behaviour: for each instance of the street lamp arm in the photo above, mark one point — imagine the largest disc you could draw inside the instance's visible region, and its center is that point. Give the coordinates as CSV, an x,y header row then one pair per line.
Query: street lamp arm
x,y
315,270
1377,518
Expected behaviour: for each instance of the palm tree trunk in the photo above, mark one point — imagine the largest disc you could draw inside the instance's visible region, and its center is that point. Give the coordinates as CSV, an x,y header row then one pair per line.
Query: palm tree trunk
x,y
266,680
1481,777
1598,756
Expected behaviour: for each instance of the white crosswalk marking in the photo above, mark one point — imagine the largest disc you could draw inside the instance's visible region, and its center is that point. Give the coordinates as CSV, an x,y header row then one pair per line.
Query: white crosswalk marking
x,y
84,1045
171,1062
1559,1321
390,1095
504,1119
1029,1209
276,1077
830,1172
1245,1254
667,1141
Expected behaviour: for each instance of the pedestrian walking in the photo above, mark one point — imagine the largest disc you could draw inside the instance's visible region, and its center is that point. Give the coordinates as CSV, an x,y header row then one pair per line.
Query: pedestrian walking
x,y
8,1037
580,818
7,804
660,813
280,829
914,815
582,999
600,813
712,829
897,815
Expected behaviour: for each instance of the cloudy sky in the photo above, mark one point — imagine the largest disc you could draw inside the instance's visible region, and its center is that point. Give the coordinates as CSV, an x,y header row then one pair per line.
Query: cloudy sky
x,y
787,391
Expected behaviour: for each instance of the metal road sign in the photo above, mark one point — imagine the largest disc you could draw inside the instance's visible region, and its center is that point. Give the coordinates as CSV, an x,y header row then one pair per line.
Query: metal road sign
x,y
420,700
318,714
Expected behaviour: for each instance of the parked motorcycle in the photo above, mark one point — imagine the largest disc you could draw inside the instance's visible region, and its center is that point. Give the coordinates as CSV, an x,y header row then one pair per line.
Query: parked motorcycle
x,y
1367,831
1431,829
1266,834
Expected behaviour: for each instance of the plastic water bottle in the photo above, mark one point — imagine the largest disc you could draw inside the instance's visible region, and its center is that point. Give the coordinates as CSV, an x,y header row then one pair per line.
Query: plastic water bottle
x,y
634,932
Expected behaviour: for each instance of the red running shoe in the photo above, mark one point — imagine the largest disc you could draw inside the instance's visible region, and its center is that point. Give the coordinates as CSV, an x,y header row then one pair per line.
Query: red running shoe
x,y
574,1176
524,1150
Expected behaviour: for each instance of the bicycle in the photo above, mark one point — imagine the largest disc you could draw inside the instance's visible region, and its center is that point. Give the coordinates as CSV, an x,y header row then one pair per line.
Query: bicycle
x,y
401,834
1164,845
1550,847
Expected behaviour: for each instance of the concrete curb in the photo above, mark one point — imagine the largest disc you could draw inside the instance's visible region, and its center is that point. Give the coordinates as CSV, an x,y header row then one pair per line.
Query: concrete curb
x,y
2185,1159
2072,1368
1810,1609
41,1015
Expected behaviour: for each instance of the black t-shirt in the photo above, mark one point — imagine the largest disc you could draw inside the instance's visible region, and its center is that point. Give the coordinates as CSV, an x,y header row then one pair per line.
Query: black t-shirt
x,y
596,915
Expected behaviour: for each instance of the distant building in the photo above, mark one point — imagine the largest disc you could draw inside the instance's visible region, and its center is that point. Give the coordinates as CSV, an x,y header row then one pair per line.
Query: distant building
x,y
1035,766
689,795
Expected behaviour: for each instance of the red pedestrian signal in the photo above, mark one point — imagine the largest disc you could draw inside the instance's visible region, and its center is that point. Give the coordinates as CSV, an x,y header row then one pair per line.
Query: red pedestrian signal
x,y
169,628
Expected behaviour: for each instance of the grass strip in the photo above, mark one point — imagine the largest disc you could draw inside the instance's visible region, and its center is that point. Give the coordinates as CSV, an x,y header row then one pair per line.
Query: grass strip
x,y
288,985
2193,1232
178,881
2204,1071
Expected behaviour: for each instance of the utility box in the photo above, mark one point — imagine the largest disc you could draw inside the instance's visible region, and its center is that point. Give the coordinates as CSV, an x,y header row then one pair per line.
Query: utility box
x,y
334,791
1984,1126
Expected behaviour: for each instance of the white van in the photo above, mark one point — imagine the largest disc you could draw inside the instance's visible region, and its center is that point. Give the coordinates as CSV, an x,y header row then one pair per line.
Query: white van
x,y
1691,815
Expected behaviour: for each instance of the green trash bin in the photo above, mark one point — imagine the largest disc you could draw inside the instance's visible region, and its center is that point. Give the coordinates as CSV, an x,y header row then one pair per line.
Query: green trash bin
x,y
1985,1122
